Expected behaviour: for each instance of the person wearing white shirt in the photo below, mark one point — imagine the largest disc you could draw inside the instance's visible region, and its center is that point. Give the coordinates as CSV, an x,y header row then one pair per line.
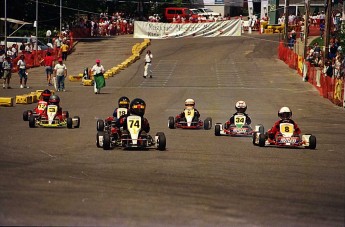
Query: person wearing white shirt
x,y
97,72
148,64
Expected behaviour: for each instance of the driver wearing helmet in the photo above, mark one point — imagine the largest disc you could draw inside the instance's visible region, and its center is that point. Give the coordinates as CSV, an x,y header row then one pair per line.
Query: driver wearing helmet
x,y
137,107
43,102
123,102
241,108
55,100
285,115
189,105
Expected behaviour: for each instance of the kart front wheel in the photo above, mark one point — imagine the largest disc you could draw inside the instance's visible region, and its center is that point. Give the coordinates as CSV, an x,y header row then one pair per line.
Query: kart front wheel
x,y
208,123
106,141
217,130
161,143
32,121
69,122
171,123
262,140
26,115
254,138
99,139
100,125
65,114
312,142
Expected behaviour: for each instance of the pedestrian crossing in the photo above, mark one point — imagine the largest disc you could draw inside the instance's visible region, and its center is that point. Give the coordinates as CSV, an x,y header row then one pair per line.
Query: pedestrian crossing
x,y
162,72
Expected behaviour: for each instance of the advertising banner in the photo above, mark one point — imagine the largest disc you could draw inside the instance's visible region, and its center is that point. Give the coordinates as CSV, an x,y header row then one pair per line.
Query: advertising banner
x,y
149,30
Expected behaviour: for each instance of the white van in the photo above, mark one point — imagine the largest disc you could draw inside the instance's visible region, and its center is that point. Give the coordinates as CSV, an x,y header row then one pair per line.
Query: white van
x,y
18,40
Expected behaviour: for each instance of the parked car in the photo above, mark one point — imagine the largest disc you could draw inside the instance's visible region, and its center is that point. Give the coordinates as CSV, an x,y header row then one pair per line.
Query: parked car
x,y
172,12
18,41
208,12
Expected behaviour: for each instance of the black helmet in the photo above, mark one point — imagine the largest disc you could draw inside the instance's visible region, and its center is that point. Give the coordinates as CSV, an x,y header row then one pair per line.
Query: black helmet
x,y
45,95
123,102
138,107
54,100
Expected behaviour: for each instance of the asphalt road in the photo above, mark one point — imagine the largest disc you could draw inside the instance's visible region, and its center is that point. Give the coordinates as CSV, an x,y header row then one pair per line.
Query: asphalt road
x,y
59,176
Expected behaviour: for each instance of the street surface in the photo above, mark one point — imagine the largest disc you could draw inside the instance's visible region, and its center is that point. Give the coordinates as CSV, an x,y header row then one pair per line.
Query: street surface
x,y
59,177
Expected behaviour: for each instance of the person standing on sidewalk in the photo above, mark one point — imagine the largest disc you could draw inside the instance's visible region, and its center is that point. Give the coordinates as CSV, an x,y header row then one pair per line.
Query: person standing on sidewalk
x,y
49,65
60,73
21,65
97,72
7,67
64,50
148,64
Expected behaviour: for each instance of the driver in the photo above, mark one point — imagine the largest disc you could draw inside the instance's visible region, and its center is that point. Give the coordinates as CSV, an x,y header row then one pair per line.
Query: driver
x,y
123,102
43,102
137,107
55,100
189,105
285,115
241,108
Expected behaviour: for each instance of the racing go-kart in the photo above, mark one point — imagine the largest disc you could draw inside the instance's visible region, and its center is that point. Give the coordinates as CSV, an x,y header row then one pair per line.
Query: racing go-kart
x,y
239,128
286,138
133,138
52,118
38,111
189,121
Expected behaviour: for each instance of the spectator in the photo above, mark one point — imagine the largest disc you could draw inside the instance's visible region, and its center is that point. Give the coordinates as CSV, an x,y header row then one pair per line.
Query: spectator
x,y
7,67
2,59
60,73
21,64
64,50
49,65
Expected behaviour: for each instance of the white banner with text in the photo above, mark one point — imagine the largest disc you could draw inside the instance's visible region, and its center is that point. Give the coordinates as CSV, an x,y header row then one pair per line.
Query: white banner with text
x,y
149,30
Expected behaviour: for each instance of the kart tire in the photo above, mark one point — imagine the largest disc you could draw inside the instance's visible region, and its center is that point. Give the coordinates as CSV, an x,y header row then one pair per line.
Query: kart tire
x,y
78,121
100,125
26,115
262,140
161,143
261,129
217,130
106,141
69,122
65,114
209,124
254,138
171,123
97,139
32,121
312,142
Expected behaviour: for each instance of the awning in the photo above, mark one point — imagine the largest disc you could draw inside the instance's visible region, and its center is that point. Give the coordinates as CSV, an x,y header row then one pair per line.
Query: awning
x,y
15,21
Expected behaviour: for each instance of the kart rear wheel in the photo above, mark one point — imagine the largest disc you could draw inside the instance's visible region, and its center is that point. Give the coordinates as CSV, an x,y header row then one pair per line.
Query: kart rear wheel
x,y
262,140
98,135
100,125
261,129
254,138
217,130
171,123
32,121
106,141
69,122
78,121
208,123
161,143
312,142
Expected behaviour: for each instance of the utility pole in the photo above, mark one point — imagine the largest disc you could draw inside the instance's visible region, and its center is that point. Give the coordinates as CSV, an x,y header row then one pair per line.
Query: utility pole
x,y
328,28
286,22
306,26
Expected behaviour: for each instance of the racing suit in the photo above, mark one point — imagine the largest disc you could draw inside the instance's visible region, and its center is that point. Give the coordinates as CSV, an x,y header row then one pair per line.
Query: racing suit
x,y
122,122
182,115
41,107
275,129
232,119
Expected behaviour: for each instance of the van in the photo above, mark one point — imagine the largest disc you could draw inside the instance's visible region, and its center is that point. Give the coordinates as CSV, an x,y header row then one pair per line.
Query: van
x,y
18,41
173,12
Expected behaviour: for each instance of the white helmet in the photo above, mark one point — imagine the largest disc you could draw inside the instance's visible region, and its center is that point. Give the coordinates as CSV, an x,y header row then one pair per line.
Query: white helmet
x,y
241,106
285,113
189,103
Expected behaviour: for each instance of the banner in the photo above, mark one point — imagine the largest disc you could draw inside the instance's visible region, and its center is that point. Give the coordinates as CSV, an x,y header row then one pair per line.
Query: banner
x,y
148,30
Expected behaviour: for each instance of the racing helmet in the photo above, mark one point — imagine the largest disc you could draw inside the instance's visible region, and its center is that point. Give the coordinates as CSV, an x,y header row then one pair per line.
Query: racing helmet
x,y
241,106
45,95
54,100
189,103
138,107
123,102
285,113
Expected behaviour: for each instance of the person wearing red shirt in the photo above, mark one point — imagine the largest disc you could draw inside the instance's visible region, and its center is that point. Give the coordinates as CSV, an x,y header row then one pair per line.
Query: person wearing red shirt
x,y
49,66
285,115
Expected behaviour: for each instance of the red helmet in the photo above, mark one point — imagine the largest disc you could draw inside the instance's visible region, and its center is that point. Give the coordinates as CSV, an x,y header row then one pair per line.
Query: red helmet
x,y
45,95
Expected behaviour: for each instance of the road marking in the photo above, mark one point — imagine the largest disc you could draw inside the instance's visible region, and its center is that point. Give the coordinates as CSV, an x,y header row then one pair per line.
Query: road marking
x,y
162,73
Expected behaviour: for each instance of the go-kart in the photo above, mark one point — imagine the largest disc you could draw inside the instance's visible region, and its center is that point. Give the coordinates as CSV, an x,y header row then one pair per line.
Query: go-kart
x,y
132,138
286,138
189,121
239,128
38,111
52,118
